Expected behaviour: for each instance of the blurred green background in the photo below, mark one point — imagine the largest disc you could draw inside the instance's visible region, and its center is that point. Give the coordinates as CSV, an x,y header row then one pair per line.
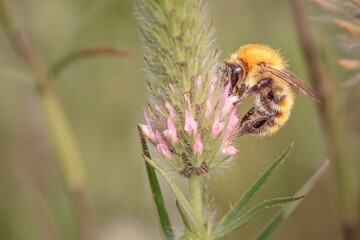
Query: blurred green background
x,y
103,99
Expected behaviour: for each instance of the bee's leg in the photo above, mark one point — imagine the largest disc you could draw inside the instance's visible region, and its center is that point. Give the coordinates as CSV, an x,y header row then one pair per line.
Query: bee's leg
x,y
262,86
244,91
261,115
266,97
256,121
240,92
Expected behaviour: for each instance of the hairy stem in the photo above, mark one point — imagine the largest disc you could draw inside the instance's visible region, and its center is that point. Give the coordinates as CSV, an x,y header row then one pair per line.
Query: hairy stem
x,y
195,192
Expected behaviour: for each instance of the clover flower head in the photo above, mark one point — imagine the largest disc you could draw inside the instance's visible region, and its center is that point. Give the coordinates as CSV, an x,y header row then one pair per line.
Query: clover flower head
x,y
193,130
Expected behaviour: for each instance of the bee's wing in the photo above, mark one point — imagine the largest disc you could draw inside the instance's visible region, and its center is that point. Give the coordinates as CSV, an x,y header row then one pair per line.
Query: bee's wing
x,y
294,81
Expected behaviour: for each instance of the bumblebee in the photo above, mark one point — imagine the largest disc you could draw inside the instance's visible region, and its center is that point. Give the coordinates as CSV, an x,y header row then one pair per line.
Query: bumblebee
x,y
261,71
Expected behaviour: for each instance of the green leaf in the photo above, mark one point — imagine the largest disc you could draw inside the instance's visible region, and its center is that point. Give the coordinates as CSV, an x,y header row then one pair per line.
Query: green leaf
x,y
183,217
233,213
283,214
179,195
157,195
238,222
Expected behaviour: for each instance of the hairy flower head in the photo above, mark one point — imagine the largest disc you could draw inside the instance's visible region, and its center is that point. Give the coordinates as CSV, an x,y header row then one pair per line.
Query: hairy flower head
x,y
192,135
190,118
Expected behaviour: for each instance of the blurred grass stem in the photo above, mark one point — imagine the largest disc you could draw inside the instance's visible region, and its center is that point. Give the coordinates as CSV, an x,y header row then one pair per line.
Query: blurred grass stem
x,y
332,121
17,37
63,140
35,201
86,53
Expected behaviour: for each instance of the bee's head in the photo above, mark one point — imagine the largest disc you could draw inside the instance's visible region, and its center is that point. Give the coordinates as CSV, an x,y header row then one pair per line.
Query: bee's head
x,y
234,74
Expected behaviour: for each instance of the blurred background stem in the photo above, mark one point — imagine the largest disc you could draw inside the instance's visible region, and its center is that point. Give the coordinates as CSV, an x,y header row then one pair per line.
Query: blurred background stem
x,y
35,202
69,160
86,53
63,141
333,124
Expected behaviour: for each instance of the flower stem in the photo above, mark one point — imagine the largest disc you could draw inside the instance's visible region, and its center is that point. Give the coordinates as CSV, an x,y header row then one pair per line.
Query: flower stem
x,y
195,191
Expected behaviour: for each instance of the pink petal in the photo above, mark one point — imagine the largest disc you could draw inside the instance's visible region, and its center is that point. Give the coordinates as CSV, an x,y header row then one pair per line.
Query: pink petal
x,y
170,133
171,110
226,147
190,123
212,84
164,150
233,121
172,89
147,130
159,138
162,147
229,150
158,108
198,146
199,83
217,126
229,104
187,100
227,90
208,106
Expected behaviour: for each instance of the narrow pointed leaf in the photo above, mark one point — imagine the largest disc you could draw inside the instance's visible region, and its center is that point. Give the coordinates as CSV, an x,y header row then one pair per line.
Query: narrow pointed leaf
x,y
179,195
233,213
183,217
284,213
240,221
157,195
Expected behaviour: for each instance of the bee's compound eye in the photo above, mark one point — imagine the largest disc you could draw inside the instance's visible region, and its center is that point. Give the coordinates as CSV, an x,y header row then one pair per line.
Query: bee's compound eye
x,y
238,71
236,74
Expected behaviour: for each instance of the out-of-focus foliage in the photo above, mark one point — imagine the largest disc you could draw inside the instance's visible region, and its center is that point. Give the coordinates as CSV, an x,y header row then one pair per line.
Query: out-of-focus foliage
x,y
103,99
345,14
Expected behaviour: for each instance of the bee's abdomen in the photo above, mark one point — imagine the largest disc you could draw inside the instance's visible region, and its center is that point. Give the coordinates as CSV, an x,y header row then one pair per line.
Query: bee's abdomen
x,y
269,113
282,110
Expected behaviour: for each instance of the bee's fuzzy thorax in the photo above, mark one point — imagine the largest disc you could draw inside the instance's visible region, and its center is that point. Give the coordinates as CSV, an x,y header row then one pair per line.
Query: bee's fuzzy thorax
x,y
253,54
250,56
